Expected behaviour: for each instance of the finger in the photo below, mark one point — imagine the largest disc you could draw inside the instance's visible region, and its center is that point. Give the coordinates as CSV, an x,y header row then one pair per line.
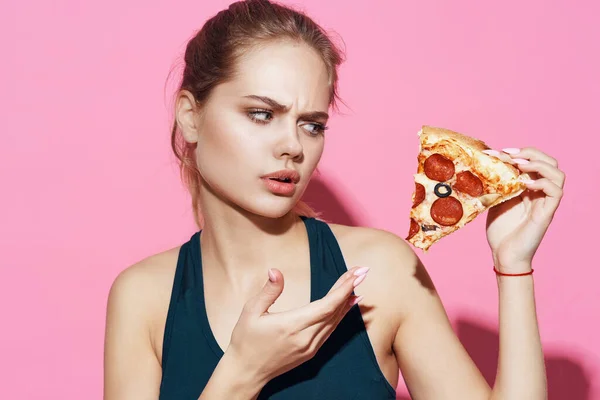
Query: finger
x,y
553,193
532,154
350,276
340,313
545,170
355,271
326,308
500,155
272,289
322,331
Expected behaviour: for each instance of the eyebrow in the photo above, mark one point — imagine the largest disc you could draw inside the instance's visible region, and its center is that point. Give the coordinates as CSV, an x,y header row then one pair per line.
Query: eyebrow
x,y
278,107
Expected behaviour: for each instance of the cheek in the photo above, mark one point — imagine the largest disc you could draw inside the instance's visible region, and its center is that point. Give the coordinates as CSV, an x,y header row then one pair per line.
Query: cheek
x,y
229,152
226,136
220,135
218,149
313,150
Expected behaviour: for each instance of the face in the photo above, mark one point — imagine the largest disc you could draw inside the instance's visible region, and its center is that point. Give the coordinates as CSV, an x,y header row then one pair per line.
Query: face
x,y
270,117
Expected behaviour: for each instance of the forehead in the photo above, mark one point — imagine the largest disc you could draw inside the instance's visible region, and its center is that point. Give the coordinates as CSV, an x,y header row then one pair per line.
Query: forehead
x,y
290,73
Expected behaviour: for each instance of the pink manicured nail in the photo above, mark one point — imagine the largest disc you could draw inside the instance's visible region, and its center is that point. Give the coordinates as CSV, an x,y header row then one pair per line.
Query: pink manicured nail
x,y
527,181
356,300
358,280
491,152
272,276
361,271
520,161
511,150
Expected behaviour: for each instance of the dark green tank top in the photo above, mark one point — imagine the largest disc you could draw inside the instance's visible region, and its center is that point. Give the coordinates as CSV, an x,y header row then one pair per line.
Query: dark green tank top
x,y
345,366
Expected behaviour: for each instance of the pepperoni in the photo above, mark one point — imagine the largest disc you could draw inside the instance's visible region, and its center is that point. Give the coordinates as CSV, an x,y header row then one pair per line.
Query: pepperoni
x,y
414,229
439,168
468,183
447,211
419,195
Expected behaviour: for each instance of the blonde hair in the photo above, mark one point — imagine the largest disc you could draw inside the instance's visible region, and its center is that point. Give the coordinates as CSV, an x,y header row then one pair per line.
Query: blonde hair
x,y
210,59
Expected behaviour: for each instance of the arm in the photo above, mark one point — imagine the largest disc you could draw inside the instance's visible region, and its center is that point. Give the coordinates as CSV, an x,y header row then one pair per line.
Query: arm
x,y
521,371
428,350
433,361
131,369
514,230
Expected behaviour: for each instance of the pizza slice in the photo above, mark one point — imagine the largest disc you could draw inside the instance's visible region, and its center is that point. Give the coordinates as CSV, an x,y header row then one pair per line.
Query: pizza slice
x,y
455,182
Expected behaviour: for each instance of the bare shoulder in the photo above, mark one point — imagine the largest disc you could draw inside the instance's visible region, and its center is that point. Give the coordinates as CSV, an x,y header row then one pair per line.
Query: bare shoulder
x,y
143,290
382,250
138,301
142,281
383,244
396,272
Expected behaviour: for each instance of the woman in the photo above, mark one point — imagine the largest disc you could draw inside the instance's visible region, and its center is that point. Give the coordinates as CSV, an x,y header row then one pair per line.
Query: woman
x,y
211,319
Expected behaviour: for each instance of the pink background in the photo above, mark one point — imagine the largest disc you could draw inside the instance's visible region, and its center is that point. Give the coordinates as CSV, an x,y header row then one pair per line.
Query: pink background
x,y
89,185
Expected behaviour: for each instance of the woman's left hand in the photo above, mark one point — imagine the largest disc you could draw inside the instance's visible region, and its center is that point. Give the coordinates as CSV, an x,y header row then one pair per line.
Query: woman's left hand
x,y
516,227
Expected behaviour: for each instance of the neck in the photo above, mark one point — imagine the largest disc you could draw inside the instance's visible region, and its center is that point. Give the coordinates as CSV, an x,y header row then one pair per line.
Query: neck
x,y
243,245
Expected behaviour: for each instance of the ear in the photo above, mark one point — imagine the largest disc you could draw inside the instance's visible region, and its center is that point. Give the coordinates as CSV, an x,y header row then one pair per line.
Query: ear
x,y
186,114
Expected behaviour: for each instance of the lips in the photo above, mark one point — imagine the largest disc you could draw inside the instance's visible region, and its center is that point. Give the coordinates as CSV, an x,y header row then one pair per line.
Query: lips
x,y
282,183
284,175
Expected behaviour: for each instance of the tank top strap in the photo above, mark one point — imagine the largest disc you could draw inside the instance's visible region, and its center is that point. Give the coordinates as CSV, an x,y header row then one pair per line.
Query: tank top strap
x,y
185,279
326,259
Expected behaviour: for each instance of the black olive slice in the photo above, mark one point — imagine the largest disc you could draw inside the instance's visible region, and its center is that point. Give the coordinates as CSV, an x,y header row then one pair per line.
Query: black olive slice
x,y
442,190
427,228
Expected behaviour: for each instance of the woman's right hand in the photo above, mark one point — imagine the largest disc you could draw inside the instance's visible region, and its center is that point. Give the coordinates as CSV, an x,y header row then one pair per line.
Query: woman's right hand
x,y
269,344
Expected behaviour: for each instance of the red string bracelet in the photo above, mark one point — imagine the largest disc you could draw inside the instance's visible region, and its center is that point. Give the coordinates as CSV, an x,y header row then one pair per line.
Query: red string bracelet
x,y
505,274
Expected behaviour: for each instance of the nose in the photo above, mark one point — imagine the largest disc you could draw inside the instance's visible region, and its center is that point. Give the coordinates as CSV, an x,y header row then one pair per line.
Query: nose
x,y
289,144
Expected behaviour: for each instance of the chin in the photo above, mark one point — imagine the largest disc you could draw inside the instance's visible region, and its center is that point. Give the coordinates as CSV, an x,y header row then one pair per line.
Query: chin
x,y
273,207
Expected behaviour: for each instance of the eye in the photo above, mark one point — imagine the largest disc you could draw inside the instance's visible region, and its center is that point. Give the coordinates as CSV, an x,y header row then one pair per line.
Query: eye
x,y
260,116
315,129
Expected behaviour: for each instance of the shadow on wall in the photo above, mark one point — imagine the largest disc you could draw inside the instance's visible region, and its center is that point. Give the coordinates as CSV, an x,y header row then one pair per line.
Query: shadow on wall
x,y
324,200
567,378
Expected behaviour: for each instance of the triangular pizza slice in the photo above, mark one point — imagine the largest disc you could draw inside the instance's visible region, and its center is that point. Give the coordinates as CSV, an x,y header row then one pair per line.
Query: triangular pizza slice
x,y
455,182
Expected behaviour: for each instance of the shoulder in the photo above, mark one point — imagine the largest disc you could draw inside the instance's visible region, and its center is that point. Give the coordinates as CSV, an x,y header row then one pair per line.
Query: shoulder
x,y
149,273
396,276
141,292
383,250
383,244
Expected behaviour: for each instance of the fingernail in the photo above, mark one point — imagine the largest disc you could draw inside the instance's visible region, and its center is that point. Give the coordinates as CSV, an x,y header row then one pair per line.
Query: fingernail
x,y
361,271
272,277
358,280
520,161
491,152
527,181
355,300
511,150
